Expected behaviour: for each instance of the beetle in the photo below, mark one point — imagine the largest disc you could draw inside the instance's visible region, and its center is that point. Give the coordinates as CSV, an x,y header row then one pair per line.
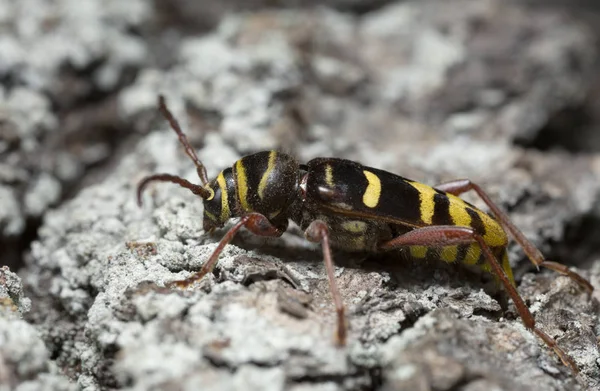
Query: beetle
x,y
343,204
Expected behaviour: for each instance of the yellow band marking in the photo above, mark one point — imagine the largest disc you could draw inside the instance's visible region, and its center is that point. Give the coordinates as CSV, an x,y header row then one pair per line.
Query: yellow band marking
x,y
449,253
354,226
329,175
473,254
458,212
242,185
418,251
373,191
274,214
494,234
210,215
262,185
224,201
211,191
426,194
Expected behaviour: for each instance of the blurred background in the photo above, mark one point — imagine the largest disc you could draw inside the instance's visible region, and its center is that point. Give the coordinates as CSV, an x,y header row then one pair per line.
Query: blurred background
x,y
79,81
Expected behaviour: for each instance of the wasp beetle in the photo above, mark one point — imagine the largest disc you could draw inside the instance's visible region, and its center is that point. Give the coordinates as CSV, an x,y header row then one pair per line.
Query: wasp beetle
x,y
343,204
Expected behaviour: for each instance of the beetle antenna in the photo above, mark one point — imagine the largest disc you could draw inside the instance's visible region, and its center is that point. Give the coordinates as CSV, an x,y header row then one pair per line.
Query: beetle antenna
x,y
196,189
200,169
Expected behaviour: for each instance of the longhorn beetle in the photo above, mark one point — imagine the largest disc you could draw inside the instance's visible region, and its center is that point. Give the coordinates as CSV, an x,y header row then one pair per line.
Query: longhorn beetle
x,y
343,204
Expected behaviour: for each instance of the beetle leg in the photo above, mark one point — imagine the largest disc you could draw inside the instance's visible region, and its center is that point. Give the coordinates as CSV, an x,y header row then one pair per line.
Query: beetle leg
x,y
254,222
448,235
460,186
317,232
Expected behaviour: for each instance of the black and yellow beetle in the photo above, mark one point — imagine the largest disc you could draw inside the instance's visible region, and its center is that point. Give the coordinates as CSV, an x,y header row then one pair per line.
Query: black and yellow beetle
x,y
343,204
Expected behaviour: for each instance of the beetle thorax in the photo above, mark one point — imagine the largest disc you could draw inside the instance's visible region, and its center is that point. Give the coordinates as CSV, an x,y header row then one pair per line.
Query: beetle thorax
x,y
264,182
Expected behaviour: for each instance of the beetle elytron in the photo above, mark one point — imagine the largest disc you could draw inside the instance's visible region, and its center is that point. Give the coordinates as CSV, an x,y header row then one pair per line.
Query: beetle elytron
x,y
343,204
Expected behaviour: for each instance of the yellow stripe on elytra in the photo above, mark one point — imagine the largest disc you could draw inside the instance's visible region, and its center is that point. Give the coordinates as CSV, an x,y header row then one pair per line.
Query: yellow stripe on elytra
x,y
224,201
329,175
418,251
426,194
458,212
449,253
373,191
494,234
262,185
242,185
